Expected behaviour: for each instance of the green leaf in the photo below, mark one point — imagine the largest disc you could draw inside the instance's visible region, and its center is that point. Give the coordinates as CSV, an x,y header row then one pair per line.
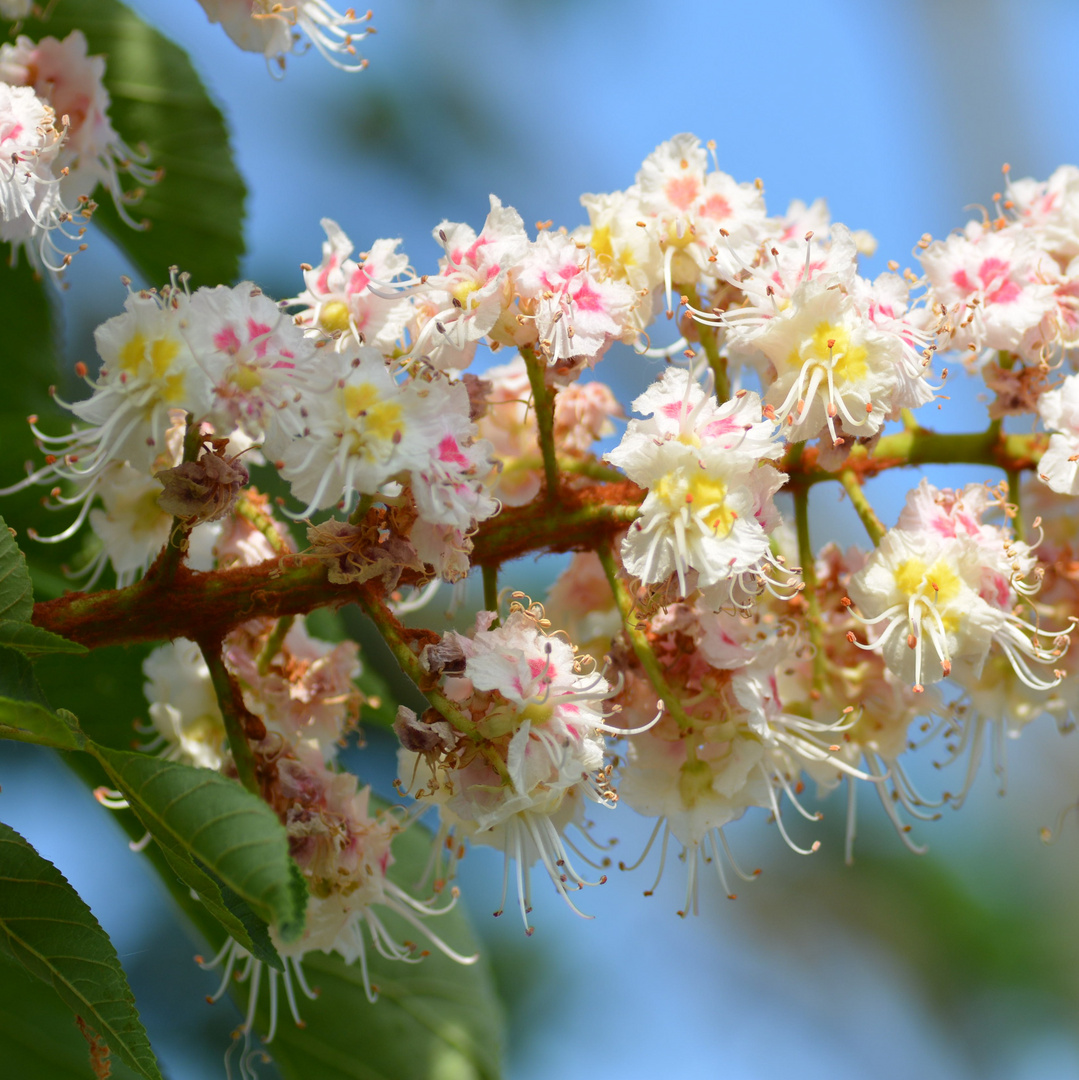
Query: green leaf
x,y
199,814
16,591
54,935
158,101
25,714
38,1036
34,641
434,1020
225,906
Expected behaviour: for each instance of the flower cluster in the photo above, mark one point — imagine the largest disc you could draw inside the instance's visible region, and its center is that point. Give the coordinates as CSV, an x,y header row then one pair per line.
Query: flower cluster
x,y
300,702
58,146
731,666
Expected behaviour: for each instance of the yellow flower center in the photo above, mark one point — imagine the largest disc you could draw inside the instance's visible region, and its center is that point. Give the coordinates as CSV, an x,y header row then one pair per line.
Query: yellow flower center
x,y
334,317
382,419
705,495
830,346
939,584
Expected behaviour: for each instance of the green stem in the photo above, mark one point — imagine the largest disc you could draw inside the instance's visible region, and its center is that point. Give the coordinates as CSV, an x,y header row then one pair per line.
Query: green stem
x,y
639,640
852,486
396,637
543,403
490,588
238,719
258,519
274,642
710,344
1015,498
920,446
814,625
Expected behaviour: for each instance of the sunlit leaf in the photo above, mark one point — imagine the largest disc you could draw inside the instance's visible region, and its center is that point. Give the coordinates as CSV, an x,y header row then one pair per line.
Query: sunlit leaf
x,y
202,815
53,934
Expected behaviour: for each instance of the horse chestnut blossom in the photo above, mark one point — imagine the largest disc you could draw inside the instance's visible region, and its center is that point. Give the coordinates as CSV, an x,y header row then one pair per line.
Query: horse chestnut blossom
x,y
274,29
90,152
709,506
536,757
350,300
737,666
31,206
1059,412
951,581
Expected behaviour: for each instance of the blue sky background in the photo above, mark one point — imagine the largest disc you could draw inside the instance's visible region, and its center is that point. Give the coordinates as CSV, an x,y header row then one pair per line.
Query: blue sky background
x,y
900,112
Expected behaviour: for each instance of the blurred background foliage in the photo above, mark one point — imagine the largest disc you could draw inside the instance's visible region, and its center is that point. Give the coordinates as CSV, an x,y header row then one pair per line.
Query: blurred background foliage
x,y
961,963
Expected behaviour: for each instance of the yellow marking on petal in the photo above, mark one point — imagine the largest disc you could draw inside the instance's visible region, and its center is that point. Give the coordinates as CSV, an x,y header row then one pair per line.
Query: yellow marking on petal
x,y
162,353
831,343
462,291
246,377
939,584
381,419
132,354
704,493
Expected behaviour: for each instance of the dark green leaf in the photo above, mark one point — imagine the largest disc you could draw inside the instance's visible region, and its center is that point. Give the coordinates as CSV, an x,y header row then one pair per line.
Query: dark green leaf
x,y
225,906
202,815
53,934
25,714
435,1019
38,1036
196,210
34,641
16,592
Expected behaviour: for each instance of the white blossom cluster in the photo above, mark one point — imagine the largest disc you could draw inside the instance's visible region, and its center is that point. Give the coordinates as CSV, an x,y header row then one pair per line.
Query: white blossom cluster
x,y
58,147
712,661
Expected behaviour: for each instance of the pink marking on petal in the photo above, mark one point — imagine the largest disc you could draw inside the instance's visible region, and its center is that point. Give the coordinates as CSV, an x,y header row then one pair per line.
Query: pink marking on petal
x,y
258,330
723,426
359,281
227,341
681,191
449,451
715,207
587,297
962,282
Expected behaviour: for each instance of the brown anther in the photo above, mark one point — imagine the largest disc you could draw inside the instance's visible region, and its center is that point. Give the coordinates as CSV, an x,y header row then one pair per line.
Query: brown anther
x,y
912,641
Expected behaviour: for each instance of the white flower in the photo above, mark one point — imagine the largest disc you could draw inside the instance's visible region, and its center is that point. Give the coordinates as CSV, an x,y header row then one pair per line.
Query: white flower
x,y
709,504
832,367
1059,411
183,705
270,28
942,588
257,359
542,718
346,298
577,315
31,206
474,286
364,431
70,81
995,284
